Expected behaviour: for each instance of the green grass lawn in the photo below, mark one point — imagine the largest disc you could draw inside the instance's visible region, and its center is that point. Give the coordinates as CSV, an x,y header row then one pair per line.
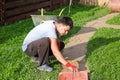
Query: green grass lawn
x,y
103,54
115,20
15,65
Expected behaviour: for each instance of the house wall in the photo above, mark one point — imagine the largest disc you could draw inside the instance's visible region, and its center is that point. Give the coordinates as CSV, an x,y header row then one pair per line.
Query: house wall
x,y
14,10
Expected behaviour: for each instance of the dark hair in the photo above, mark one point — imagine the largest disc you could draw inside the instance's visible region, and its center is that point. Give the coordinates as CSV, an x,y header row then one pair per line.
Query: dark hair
x,y
66,21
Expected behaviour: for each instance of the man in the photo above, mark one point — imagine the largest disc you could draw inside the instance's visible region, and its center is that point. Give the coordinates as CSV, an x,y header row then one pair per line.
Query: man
x,y
43,41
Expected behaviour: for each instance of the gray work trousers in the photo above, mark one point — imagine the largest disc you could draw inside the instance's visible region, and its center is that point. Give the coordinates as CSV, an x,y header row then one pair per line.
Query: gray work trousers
x,y
41,49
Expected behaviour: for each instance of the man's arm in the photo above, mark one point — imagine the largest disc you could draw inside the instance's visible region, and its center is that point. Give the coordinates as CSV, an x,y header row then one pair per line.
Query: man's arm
x,y
56,51
59,56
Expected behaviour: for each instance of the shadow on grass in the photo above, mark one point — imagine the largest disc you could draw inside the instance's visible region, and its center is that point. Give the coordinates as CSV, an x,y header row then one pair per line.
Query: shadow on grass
x,y
99,42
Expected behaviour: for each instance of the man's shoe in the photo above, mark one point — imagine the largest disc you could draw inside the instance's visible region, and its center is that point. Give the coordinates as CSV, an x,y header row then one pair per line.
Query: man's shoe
x,y
45,68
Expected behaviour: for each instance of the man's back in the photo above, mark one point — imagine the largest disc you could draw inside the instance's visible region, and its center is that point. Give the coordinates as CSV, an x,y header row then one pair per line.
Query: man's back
x,y
46,29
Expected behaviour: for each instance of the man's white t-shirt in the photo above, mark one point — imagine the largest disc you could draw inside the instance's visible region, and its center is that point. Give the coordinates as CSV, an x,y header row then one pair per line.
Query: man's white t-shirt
x,y
46,29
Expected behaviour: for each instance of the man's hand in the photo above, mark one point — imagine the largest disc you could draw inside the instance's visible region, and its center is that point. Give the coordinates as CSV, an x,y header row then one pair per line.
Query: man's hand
x,y
70,66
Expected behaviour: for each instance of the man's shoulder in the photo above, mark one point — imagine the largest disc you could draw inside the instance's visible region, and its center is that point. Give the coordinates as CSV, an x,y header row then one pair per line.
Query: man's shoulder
x,y
49,22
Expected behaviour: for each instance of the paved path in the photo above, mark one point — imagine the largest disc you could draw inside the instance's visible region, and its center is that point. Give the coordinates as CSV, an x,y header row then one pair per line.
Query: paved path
x,y
76,48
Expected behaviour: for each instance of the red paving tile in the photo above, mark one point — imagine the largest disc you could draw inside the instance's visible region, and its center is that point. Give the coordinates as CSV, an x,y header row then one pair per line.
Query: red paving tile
x,y
82,75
